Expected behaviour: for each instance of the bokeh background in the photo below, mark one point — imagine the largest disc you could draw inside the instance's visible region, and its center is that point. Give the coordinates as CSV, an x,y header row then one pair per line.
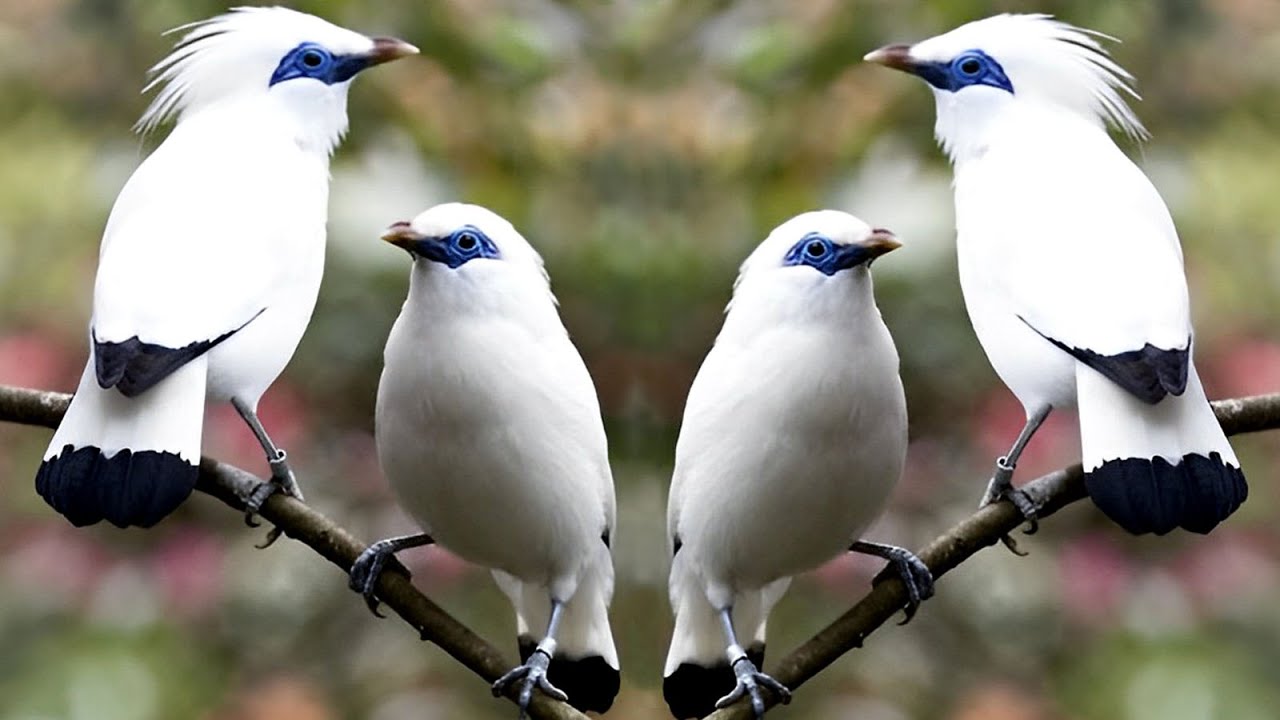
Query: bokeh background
x,y
644,146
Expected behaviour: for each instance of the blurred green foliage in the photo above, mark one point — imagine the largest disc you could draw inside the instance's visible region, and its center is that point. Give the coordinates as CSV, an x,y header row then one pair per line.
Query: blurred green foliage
x,y
644,146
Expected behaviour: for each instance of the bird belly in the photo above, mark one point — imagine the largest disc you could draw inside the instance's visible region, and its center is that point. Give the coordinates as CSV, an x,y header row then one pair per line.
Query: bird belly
x,y
496,509
788,505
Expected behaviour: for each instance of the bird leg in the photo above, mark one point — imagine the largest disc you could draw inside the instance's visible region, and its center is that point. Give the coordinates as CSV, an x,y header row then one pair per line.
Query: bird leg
x,y
914,574
534,670
1001,485
366,569
282,477
749,676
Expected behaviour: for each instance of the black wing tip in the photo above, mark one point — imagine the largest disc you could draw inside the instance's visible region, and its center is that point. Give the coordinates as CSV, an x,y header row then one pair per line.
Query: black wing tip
x,y
590,682
691,690
1152,495
1148,373
134,367
1170,366
128,489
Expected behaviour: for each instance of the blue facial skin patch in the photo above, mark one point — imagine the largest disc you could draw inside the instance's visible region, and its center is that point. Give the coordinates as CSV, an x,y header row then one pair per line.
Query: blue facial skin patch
x,y
821,253
971,67
458,248
310,60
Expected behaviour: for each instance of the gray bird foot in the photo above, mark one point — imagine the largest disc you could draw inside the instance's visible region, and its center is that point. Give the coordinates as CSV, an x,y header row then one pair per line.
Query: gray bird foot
x,y
282,481
750,679
1001,488
367,568
532,674
915,577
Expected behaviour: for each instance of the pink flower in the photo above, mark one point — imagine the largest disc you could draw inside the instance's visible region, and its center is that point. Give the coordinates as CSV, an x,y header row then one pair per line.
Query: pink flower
x,y
33,360
1234,565
63,562
188,570
1244,366
999,701
1095,575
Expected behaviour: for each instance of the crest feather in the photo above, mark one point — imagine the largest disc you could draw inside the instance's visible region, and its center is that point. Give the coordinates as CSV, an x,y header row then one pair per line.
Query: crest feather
x,y
1107,84
231,53
1052,60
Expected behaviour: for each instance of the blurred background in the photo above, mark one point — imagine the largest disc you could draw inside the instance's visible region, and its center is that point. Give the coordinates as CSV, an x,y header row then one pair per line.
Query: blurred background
x,y
644,146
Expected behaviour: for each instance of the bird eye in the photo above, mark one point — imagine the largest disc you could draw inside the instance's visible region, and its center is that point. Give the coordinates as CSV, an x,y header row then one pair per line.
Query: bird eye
x,y
815,249
467,241
970,66
313,58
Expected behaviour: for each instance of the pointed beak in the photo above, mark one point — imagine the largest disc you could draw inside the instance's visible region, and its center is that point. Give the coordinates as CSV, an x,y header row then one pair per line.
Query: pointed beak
x,y
402,235
386,49
897,57
879,242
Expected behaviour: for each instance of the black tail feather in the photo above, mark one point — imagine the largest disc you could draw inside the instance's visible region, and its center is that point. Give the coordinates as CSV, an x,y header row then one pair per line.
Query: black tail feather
x,y
691,691
1152,495
127,489
590,682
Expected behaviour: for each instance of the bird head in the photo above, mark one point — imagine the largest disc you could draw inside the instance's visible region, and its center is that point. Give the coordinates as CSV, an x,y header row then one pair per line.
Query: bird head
x,y
984,69
813,266
304,63
470,258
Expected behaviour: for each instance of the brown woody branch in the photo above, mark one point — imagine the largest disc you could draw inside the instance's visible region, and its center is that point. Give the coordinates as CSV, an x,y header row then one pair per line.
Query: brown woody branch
x,y
302,523
982,529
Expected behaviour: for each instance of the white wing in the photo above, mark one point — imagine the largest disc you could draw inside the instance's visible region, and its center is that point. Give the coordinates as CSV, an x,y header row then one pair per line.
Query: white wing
x,y
1077,240
209,228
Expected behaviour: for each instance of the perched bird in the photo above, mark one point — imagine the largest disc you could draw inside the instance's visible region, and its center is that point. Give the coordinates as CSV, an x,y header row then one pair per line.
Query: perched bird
x,y
1071,267
489,431
794,434
211,260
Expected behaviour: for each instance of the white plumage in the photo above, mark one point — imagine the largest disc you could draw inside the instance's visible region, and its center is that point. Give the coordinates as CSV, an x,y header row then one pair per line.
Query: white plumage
x,y
489,430
211,260
794,434
1071,266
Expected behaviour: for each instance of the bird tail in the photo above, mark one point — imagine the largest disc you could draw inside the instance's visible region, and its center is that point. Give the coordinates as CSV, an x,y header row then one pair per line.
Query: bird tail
x,y
129,461
697,671
585,665
1155,467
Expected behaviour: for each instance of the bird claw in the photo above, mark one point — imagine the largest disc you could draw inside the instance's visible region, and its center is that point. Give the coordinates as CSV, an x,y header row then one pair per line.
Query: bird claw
x,y
1012,546
1001,488
915,575
534,675
368,567
282,481
750,680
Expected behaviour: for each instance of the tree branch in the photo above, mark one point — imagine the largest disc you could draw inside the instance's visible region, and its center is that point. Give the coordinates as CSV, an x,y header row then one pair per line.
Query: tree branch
x,y
300,522
982,529
227,483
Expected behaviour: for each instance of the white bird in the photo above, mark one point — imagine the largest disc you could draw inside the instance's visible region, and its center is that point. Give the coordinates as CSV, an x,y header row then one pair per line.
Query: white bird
x,y
489,431
1071,267
211,259
794,435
